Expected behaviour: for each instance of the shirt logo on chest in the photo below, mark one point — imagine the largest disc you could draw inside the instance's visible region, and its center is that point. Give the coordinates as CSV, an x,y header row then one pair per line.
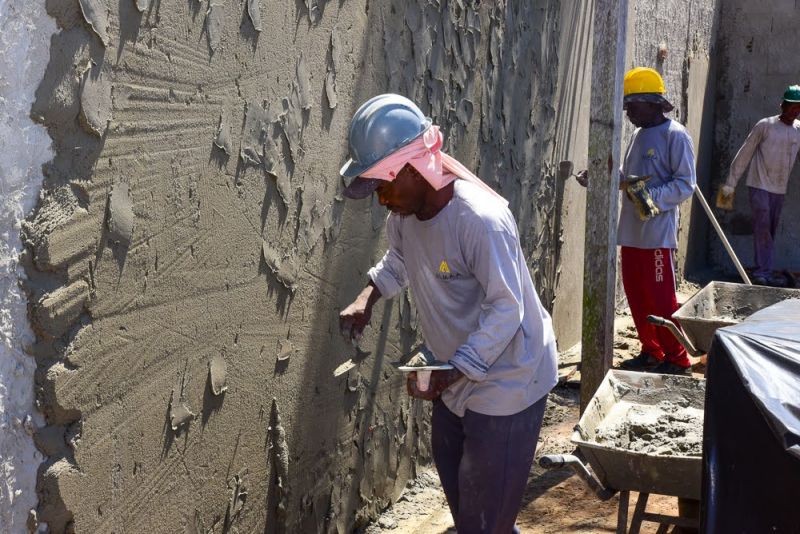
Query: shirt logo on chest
x,y
650,154
444,272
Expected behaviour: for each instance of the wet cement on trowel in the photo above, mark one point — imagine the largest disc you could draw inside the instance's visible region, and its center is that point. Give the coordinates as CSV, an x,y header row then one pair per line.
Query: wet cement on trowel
x,y
194,212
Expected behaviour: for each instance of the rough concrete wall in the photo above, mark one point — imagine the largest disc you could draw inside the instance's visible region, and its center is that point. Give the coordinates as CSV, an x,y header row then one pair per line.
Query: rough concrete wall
x,y
756,64
191,249
687,29
24,40
571,143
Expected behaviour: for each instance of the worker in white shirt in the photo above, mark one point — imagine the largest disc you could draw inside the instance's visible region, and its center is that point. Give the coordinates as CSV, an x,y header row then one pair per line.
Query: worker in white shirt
x,y
770,151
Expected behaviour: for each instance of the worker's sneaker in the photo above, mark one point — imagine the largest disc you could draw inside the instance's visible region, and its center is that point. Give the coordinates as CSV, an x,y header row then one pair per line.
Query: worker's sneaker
x,y
642,362
669,368
759,281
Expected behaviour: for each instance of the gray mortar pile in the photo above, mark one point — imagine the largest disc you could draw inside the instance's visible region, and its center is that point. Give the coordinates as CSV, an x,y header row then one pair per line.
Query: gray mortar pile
x,y
665,420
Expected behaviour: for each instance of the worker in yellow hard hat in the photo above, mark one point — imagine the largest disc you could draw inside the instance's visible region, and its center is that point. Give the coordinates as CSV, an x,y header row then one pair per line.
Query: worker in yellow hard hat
x,y
770,150
657,175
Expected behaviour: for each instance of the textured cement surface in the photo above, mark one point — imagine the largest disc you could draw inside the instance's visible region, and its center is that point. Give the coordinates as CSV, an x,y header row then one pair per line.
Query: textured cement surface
x,y
191,249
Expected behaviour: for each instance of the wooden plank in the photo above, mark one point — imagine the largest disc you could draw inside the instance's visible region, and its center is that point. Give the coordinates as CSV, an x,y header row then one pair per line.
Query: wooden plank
x,y
600,246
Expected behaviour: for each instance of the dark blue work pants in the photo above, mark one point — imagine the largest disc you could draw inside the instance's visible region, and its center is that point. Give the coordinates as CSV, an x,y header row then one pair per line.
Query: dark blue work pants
x,y
483,463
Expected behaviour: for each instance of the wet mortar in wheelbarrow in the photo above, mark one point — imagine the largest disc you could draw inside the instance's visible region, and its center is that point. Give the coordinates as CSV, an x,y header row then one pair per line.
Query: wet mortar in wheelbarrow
x,y
717,305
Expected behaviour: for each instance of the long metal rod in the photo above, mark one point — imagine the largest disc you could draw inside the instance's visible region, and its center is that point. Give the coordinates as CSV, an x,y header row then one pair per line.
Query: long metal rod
x,y
721,235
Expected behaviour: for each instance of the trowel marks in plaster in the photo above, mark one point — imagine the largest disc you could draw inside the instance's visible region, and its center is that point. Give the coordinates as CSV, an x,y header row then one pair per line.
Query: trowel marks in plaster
x,y
96,15
95,100
215,21
24,45
120,215
217,374
280,460
194,284
254,10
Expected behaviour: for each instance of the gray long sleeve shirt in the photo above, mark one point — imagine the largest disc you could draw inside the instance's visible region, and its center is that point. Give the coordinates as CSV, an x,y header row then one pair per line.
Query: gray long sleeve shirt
x,y
476,302
664,153
770,149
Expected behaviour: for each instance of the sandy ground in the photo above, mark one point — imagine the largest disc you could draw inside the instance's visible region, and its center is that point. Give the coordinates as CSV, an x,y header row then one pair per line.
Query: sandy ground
x,y
555,501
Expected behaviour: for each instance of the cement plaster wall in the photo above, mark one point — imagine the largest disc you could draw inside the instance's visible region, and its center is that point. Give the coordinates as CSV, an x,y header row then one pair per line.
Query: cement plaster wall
x,y
755,66
191,249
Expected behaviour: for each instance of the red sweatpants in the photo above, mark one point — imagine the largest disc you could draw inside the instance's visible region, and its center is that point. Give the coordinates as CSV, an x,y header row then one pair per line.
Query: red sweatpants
x,y
649,280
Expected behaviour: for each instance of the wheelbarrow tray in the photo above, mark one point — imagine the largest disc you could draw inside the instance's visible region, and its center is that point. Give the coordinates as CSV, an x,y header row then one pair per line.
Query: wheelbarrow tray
x,y
723,304
629,470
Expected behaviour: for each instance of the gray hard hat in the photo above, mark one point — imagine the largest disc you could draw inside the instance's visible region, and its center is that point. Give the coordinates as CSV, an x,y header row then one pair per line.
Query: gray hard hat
x,y
382,125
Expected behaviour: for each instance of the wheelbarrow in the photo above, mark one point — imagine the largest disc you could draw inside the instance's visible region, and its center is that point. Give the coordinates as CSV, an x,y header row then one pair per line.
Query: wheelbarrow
x,y
622,445
719,304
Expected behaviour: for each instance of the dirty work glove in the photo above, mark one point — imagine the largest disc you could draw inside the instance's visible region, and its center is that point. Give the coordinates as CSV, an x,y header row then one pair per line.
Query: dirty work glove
x,y
583,178
439,381
636,190
725,197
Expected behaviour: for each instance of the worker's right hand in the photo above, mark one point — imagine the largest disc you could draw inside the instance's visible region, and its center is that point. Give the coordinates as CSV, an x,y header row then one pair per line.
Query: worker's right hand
x,y
439,381
583,178
725,197
355,317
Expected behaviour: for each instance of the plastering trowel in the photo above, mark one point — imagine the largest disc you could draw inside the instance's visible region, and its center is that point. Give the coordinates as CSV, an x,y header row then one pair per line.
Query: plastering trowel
x,y
421,361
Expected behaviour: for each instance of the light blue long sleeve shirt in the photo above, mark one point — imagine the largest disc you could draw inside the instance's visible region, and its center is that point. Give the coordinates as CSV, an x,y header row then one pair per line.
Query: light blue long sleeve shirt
x,y
475,300
665,153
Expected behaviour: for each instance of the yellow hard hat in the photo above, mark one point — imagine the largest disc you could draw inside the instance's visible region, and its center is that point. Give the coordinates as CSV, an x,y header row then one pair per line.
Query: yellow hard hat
x,y
643,80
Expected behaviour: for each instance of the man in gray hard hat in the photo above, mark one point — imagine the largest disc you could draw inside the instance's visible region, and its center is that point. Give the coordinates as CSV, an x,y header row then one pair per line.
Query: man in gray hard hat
x,y
454,243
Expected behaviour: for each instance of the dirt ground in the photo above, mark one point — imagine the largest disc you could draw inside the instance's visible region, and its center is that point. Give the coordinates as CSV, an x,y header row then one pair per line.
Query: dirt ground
x,y
555,501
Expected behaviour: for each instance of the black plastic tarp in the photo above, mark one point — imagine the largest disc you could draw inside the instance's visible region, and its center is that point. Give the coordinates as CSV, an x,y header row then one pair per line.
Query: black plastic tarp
x,y
751,441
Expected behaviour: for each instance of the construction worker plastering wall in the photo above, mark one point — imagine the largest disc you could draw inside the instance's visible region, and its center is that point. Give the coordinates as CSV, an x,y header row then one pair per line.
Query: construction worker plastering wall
x,y
657,175
454,243
770,150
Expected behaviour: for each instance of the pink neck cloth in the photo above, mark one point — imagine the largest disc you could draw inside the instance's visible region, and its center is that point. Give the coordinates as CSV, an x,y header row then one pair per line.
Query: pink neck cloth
x,y
425,154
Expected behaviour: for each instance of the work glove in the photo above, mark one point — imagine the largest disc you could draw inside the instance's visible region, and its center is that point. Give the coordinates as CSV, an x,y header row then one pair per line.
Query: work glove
x,y
636,190
725,197
439,381
583,178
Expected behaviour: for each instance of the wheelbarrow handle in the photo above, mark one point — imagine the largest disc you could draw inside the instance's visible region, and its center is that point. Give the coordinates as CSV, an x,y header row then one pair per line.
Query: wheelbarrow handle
x,y
554,461
655,319
679,335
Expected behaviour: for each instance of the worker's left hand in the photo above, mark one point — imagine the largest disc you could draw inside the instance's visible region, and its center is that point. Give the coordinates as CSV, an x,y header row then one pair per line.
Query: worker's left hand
x,y
583,178
635,188
440,381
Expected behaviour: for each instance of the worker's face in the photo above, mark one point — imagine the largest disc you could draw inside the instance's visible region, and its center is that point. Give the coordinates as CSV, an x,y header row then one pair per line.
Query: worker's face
x,y
405,195
644,114
790,111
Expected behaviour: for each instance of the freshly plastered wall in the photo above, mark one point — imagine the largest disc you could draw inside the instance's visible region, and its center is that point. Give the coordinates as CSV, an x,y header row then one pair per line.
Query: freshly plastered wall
x,y
756,64
24,41
191,249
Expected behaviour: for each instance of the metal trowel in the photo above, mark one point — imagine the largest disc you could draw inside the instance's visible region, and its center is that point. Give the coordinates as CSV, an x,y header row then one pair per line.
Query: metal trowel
x,y
421,361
